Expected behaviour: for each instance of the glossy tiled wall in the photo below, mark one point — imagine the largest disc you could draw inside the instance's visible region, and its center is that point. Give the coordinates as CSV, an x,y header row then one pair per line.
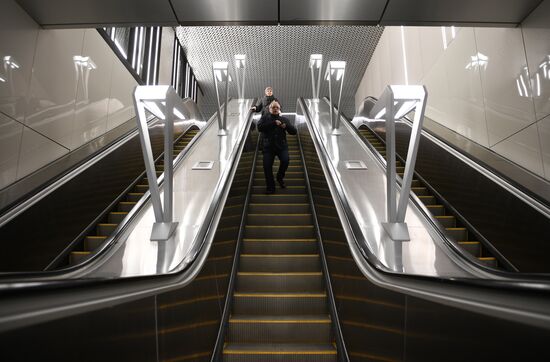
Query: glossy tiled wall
x,y
59,89
492,85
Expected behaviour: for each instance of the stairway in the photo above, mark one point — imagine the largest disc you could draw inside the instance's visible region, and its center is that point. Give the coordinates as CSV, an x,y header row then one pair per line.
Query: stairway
x,y
454,230
106,227
280,306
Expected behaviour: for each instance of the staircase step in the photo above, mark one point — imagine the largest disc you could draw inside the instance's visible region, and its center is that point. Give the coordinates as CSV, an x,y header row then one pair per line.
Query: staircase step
x,y
282,231
280,263
489,261
76,257
289,181
280,282
427,200
287,190
420,191
280,352
93,242
134,196
126,206
279,246
436,210
279,329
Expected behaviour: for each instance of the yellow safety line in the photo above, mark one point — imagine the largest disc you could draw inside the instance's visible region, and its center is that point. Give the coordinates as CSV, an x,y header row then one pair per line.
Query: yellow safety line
x,y
280,352
286,295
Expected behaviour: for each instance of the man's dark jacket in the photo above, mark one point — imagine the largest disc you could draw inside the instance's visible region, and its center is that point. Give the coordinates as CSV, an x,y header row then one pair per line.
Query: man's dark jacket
x,y
264,104
274,137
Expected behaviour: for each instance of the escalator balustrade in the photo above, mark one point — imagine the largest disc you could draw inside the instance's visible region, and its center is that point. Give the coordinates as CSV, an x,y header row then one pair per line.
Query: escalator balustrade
x,y
280,306
453,228
107,226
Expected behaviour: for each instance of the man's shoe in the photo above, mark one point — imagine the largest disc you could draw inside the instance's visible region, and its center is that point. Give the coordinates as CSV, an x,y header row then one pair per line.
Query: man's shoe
x,y
269,191
281,182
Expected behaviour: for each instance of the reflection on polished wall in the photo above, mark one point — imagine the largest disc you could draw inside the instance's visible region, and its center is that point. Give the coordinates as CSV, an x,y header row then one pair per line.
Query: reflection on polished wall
x,y
59,89
491,85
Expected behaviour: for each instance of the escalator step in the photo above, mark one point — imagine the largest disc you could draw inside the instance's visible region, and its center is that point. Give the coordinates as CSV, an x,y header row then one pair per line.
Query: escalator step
x,y
76,257
457,233
279,219
279,303
105,229
289,181
280,263
279,208
279,198
472,247
447,221
280,246
279,352
279,329
126,206
93,242
436,210
420,191
141,188
427,200
489,261
280,282
116,217
281,231
134,196
287,190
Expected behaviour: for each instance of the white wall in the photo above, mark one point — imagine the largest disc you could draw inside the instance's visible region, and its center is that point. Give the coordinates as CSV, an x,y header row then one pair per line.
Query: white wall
x,y
50,104
488,84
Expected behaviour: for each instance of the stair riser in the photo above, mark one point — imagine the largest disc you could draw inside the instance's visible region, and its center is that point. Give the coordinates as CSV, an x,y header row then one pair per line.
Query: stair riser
x,y
459,235
448,222
105,230
277,220
273,232
278,199
287,190
280,357
280,284
289,181
115,218
280,264
278,209
474,249
278,332
279,247
279,306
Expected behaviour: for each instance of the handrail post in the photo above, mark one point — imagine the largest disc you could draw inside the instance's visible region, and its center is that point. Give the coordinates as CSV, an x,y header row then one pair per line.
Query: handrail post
x,y
161,101
220,73
395,102
335,69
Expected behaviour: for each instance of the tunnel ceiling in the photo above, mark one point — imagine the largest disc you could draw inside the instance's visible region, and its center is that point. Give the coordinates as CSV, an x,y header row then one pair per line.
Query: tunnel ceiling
x,y
279,56
95,13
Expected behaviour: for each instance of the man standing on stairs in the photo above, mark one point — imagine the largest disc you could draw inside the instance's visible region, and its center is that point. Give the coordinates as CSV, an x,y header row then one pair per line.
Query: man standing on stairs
x,y
265,101
274,127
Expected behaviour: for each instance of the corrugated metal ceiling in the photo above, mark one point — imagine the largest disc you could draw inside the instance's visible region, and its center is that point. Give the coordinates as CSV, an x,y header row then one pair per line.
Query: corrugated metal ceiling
x,y
279,56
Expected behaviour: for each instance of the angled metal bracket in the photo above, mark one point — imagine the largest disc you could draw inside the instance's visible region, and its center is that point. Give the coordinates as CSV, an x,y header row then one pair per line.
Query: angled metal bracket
x,y
162,101
396,102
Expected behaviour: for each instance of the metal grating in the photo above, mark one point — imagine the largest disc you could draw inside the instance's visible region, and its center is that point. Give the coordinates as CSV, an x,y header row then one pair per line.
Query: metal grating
x,y
279,56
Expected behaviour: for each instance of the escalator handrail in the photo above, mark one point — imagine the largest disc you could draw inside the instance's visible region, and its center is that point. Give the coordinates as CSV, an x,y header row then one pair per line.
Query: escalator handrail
x,y
469,258
521,300
27,302
484,169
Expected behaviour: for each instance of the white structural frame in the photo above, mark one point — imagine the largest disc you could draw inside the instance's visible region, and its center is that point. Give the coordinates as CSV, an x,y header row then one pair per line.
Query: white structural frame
x,y
315,65
336,69
396,102
162,101
240,64
220,72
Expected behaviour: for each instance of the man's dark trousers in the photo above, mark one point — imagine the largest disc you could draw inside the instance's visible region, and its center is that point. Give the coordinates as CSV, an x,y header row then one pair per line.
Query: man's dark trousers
x,y
269,158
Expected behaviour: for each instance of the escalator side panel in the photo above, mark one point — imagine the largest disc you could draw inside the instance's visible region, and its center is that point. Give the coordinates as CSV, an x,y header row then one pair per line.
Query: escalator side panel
x,y
184,322
34,238
517,231
382,325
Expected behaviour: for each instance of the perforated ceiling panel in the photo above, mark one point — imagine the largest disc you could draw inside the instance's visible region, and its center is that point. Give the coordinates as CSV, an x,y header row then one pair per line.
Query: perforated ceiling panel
x,y
279,56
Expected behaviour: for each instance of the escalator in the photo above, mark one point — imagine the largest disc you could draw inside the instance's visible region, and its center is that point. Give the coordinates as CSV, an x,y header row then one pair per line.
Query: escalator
x,y
280,308
83,248
444,215
279,279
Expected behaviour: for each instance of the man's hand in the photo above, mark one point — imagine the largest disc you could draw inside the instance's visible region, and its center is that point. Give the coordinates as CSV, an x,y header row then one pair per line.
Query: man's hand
x,y
278,123
253,108
283,125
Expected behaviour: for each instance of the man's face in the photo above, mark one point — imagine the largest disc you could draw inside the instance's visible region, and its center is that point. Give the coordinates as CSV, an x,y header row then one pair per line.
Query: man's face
x,y
275,108
269,92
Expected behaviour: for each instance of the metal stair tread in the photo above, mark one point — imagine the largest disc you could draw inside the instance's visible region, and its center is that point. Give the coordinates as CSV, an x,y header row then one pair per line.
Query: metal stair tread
x,y
279,348
267,318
